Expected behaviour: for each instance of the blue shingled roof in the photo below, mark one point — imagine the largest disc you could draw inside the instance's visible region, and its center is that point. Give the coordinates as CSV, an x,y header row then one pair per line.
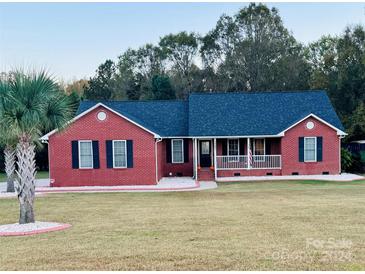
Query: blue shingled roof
x,y
166,118
255,113
225,114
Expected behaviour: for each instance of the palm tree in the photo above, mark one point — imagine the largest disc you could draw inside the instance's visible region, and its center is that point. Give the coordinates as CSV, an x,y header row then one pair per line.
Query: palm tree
x,y
33,104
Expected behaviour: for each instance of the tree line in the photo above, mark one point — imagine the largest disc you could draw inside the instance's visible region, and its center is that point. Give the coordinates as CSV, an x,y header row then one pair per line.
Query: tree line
x,y
249,51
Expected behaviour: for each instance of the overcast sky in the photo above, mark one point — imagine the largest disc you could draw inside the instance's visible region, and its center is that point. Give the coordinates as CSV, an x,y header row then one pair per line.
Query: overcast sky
x,y
72,39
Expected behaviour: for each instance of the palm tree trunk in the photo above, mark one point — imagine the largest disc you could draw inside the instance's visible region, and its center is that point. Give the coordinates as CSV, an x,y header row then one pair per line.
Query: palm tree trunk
x,y
9,155
25,183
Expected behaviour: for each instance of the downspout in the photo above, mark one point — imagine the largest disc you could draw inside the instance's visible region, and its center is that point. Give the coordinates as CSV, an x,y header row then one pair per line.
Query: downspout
x,y
215,159
339,152
156,158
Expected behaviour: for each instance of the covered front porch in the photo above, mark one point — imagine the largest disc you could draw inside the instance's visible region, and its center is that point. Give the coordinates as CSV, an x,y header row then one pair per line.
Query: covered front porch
x,y
228,157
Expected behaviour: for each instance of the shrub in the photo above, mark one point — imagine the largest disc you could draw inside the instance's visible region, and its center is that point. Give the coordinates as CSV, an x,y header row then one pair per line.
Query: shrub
x,y
346,159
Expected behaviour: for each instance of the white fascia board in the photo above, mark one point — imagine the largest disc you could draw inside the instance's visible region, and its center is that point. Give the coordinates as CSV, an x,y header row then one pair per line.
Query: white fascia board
x,y
339,131
46,136
229,136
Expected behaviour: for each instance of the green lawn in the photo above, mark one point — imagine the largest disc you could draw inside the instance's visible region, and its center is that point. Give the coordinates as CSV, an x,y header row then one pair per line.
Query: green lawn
x,y
40,175
239,226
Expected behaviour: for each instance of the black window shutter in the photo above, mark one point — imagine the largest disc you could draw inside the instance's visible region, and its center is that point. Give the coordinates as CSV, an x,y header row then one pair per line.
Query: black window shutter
x,y
75,154
267,146
224,146
319,149
168,150
109,153
301,149
186,150
96,160
129,153
242,146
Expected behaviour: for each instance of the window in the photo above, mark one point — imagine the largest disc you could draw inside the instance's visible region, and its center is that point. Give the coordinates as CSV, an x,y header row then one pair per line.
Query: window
x,y
119,154
205,147
86,154
259,147
310,149
177,151
233,147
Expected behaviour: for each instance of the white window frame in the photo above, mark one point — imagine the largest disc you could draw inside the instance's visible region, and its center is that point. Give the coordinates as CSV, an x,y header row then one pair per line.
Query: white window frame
x,y
238,146
231,159
254,149
92,155
172,151
315,150
262,158
126,153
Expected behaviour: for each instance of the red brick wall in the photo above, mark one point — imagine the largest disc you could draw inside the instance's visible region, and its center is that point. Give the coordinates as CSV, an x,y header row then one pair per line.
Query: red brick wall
x,y
114,127
165,168
290,149
245,172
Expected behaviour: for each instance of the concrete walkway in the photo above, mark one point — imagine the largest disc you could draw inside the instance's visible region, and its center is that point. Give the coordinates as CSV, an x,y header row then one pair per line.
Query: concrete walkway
x,y
165,185
344,177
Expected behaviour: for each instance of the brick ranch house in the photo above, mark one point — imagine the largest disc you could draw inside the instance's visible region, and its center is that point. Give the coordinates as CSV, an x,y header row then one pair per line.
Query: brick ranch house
x,y
206,137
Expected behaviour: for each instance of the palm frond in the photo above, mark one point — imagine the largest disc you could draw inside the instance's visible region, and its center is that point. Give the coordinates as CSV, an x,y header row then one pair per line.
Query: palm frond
x,y
31,103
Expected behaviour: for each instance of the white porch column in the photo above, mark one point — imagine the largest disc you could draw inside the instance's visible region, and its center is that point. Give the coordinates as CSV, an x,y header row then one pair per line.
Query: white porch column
x,y
248,153
215,159
195,159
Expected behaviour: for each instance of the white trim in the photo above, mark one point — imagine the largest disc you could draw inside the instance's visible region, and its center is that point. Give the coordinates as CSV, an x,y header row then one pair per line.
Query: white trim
x,y
248,152
46,136
339,152
244,158
215,158
125,152
196,158
339,132
223,137
315,149
92,154
172,151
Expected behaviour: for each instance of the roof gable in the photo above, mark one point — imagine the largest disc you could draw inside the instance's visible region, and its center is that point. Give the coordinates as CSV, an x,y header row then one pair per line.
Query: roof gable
x,y
88,110
338,131
165,118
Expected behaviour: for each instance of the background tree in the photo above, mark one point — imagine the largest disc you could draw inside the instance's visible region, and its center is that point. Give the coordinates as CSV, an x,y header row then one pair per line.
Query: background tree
x,y
161,88
77,86
136,69
322,58
180,50
34,103
126,81
249,51
101,87
255,52
337,65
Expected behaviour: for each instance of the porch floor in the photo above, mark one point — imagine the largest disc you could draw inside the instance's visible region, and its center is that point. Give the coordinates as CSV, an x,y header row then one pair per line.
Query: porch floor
x,y
344,177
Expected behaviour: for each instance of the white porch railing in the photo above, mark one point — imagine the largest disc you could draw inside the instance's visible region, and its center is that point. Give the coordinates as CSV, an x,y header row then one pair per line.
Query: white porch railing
x,y
242,162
